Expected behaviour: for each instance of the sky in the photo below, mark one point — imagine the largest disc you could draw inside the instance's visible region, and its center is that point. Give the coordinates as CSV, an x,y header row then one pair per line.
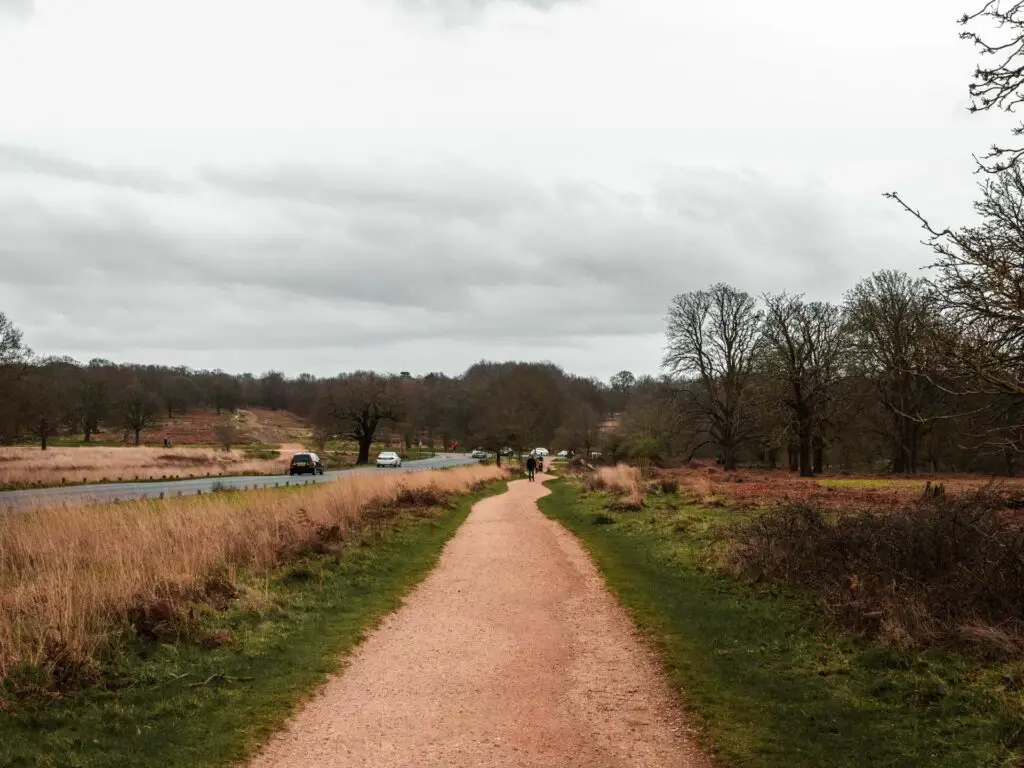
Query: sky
x,y
415,185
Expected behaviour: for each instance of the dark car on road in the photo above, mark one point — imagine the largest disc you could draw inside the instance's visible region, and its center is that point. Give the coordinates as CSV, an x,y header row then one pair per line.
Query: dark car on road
x,y
305,463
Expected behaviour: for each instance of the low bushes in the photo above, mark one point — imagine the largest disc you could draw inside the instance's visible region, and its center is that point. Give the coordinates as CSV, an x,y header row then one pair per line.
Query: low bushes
x,y
940,570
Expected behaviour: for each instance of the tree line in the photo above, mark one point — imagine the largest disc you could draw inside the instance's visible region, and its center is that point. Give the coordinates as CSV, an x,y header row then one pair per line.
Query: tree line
x,y
925,373
492,405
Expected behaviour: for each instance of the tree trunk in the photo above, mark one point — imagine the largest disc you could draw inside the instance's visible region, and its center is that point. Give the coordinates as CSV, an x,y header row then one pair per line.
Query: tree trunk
x,y
793,454
773,458
365,441
806,434
138,436
728,456
88,431
819,454
497,457
44,434
912,445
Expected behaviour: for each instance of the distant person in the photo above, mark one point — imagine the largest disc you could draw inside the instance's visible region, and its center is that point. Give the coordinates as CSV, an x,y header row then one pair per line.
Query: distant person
x,y
531,467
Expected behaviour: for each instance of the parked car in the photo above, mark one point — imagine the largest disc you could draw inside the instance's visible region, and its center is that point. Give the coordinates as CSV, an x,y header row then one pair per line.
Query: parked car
x,y
305,463
563,454
389,459
479,453
506,451
540,451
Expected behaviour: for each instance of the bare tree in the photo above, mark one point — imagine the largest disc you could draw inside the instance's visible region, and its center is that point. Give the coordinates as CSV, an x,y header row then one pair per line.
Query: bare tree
x,y
226,433
1000,84
14,357
137,406
712,338
805,347
581,427
358,403
890,318
979,290
48,398
621,384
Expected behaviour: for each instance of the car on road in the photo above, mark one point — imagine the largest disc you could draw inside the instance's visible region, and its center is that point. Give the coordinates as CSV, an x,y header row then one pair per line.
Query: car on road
x,y
540,451
479,453
389,459
305,463
563,454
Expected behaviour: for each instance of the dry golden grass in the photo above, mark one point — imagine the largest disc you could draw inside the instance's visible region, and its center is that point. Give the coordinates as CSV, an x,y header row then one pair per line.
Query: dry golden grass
x,y
31,466
624,479
71,577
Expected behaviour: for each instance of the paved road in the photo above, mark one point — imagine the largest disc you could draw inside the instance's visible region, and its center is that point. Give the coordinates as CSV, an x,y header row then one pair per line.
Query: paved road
x,y
154,490
512,654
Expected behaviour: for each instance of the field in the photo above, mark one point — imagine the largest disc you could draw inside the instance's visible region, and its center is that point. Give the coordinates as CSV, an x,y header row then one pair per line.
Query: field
x,y
182,633
753,488
24,467
255,426
73,579
772,678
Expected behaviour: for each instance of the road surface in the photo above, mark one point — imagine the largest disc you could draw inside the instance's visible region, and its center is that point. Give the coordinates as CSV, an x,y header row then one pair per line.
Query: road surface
x,y
511,653
191,487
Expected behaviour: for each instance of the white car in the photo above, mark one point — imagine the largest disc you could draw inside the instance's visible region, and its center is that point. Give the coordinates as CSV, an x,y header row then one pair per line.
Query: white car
x,y
389,459
479,453
563,454
540,451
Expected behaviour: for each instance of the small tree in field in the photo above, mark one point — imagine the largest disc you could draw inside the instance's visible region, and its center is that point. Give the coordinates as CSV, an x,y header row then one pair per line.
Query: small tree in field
x,y
226,433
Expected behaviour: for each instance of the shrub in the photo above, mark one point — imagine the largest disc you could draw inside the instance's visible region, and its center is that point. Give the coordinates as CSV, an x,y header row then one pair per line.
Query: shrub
x,y
941,570
625,480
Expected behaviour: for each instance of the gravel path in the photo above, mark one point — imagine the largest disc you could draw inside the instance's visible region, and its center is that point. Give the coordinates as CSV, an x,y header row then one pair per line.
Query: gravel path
x,y
511,653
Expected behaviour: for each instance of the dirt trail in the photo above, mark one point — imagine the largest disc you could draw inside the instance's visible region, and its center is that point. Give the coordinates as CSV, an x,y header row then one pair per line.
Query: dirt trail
x,y
511,653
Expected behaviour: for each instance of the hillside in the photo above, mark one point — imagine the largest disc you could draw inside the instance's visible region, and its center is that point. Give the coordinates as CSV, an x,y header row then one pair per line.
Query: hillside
x,y
256,425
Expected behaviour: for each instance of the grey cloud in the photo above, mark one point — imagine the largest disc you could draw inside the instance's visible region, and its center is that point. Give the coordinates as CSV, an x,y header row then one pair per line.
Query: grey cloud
x,y
457,12
19,10
373,258
18,159
459,7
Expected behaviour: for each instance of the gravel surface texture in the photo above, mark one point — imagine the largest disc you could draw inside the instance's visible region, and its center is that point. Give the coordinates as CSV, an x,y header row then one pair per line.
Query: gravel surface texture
x,y
511,653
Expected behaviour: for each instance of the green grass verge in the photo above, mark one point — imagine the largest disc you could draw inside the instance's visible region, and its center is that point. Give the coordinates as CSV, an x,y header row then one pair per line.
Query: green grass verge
x,y
774,686
178,705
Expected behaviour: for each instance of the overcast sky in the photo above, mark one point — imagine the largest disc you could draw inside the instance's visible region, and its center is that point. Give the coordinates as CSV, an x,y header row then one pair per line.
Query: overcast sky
x,y
324,185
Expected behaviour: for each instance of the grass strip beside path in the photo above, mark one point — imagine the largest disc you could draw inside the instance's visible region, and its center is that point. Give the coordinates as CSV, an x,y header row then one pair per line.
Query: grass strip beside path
x,y
178,705
771,684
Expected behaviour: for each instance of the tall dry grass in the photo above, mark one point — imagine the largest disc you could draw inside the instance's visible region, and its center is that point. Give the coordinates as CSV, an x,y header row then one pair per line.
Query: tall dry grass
x,y
31,466
623,479
70,578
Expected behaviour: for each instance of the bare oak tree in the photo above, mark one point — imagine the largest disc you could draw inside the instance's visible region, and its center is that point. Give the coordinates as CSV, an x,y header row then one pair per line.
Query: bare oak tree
x,y
712,338
890,318
358,403
137,407
805,347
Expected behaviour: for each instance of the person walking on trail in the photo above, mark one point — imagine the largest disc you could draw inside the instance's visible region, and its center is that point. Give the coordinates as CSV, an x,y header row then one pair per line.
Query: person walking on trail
x,y
531,467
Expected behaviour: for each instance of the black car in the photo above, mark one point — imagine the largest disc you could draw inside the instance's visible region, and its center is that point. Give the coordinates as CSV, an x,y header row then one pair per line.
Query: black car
x,y
305,463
